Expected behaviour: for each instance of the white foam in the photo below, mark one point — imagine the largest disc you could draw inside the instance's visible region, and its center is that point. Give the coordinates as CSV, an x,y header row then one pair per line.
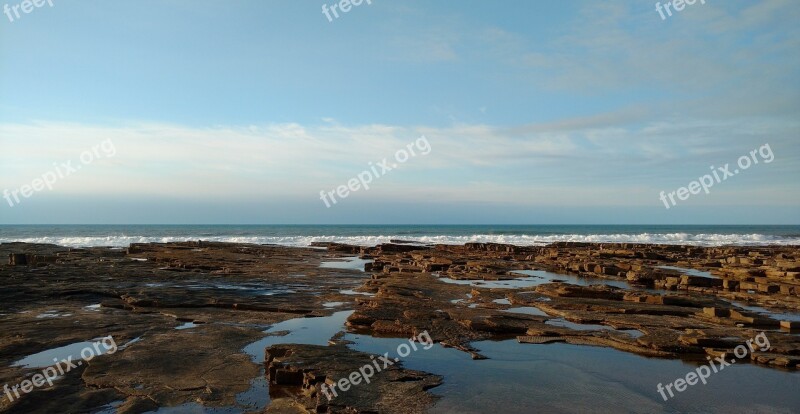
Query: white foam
x,y
520,240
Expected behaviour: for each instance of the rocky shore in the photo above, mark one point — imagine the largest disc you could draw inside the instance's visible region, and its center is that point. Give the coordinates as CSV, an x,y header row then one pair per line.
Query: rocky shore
x,y
679,311
183,314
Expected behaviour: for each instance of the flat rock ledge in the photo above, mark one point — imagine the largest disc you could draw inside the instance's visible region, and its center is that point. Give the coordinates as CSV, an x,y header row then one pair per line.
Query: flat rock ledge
x,y
297,373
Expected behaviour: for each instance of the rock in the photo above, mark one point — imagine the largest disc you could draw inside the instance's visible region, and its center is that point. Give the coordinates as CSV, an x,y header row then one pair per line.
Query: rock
x,y
149,289
730,284
717,312
17,259
688,280
540,339
315,375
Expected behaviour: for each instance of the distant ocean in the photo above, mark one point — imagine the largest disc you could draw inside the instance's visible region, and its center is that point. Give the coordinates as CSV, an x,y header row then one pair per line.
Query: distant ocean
x,y
367,235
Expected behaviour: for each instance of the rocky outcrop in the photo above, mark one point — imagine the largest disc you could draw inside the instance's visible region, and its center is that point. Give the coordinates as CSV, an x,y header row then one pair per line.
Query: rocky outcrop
x,y
298,373
650,317
54,296
610,295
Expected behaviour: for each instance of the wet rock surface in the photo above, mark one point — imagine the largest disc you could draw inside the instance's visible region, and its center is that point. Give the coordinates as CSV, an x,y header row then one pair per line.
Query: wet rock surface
x,y
230,293
676,302
297,374
667,309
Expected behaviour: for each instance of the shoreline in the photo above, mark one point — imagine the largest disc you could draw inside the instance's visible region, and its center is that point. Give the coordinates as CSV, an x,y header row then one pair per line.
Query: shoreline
x,y
370,236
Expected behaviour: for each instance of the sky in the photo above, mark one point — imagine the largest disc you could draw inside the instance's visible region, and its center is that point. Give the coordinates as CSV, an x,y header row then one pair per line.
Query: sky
x,y
530,112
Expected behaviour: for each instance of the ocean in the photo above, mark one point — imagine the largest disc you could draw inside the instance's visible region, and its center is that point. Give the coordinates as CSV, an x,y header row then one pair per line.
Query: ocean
x,y
368,235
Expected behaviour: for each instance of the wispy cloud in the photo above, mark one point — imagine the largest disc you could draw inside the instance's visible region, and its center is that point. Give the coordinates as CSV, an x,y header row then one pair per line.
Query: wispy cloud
x,y
575,156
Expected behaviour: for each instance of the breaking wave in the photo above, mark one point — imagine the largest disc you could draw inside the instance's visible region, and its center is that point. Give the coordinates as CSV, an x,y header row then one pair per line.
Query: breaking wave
x,y
367,240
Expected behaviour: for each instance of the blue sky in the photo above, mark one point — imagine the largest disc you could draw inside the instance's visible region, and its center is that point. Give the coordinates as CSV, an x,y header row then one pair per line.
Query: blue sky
x,y
536,112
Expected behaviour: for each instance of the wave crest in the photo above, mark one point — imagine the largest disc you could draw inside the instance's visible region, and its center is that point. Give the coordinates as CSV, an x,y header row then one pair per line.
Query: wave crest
x,y
520,240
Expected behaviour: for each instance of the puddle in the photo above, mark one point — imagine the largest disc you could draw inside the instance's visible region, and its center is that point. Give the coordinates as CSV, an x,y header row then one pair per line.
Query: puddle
x,y
348,263
527,310
457,301
578,326
131,342
502,301
135,259
690,272
591,327
567,378
110,408
519,283
536,278
598,379
52,314
549,277
251,288
49,357
187,325
94,308
794,317
307,331
353,292
635,333
333,304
